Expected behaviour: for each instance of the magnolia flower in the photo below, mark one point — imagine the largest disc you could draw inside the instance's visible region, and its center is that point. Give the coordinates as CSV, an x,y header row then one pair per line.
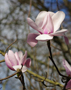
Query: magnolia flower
x,y
68,71
47,24
17,60
66,40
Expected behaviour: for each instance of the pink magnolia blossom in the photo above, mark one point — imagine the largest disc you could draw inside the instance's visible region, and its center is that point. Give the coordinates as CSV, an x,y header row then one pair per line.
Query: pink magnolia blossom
x,y
66,40
17,60
68,71
47,25
68,86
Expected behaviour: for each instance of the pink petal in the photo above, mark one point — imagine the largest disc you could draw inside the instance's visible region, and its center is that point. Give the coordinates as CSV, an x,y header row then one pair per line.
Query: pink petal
x,y
34,26
59,33
48,24
12,58
68,86
24,58
28,62
57,19
17,57
20,54
24,68
44,37
67,67
31,39
8,63
41,16
25,54
17,67
66,40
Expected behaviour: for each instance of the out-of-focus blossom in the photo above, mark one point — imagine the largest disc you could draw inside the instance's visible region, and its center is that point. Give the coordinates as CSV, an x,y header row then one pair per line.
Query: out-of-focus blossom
x,y
17,60
66,40
68,71
67,67
47,24
68,86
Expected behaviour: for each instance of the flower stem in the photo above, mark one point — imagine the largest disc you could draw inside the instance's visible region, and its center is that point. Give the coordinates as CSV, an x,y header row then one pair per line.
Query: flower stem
x,y
21,78
49,47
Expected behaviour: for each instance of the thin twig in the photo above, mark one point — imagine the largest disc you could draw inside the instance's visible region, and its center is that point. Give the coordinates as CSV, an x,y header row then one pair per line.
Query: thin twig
x,y
8,76
56,47
2,61
1,52
43,78
10,45
57,5
30,8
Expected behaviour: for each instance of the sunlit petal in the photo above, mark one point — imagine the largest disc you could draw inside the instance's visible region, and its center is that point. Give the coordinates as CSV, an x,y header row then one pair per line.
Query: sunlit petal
x,y
16,67
23,69
41,16
44,37
57,18
59,33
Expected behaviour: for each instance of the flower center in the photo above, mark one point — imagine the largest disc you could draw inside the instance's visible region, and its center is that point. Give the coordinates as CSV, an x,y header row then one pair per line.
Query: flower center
x,y
47,31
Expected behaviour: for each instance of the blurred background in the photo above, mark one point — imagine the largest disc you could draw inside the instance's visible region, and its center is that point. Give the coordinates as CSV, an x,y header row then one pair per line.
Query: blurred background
x,y
13,25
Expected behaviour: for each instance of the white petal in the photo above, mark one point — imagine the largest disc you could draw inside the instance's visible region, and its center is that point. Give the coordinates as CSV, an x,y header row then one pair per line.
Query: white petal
x,y
24,68
57,19
51,13
44,37
20,54
17,67
41,16
59,33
